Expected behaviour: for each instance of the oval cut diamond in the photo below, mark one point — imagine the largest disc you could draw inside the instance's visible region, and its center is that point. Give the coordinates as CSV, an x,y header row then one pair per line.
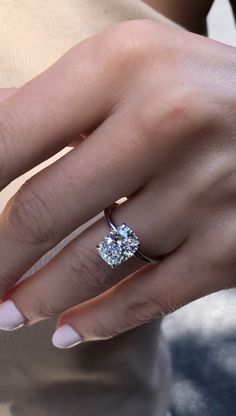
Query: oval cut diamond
x,y
118,246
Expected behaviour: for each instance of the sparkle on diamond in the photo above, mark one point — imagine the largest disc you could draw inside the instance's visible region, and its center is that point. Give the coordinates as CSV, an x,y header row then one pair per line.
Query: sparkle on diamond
x,y
118,246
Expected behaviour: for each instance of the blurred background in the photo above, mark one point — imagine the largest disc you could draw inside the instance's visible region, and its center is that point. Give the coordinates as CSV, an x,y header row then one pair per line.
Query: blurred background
x,y
202,336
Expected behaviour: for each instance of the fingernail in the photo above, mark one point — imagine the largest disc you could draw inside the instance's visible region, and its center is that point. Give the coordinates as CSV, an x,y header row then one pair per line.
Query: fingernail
x,y
66,337
10,316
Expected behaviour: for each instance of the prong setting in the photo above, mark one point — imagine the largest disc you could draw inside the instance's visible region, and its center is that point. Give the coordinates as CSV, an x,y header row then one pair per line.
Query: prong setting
x,y
118,246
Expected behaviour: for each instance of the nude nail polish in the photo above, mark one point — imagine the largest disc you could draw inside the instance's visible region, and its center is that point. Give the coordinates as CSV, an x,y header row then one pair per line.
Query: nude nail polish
x,y
10,316
66,337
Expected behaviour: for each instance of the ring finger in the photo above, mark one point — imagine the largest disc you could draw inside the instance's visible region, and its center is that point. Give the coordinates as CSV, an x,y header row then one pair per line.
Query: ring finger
x,y
62,197
78,273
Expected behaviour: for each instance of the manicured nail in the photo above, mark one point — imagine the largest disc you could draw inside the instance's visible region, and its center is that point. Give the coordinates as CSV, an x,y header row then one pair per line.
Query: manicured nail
x,y
10,316
66,337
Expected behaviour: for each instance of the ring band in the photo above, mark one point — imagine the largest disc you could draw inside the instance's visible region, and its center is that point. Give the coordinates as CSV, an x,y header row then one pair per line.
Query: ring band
x,y
120,244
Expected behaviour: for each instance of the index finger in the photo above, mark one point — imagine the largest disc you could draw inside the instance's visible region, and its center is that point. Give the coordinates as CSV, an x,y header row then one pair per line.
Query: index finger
x,y
47,113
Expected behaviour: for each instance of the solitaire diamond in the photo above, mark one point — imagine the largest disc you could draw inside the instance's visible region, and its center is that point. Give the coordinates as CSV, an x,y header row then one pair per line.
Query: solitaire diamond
x,y
118,246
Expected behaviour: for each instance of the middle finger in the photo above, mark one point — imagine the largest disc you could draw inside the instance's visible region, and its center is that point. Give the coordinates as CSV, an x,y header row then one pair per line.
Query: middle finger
x,y
77,273
67,194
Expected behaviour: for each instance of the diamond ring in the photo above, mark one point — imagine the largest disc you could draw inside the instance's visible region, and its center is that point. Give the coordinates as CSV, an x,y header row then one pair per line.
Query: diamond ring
x,y
120,243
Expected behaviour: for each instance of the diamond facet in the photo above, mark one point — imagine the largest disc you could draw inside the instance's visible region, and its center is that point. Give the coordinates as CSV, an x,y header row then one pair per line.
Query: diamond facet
x,y
118,246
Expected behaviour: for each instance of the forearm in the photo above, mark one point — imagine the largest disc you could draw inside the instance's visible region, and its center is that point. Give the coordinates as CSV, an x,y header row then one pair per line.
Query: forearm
x,y
189,14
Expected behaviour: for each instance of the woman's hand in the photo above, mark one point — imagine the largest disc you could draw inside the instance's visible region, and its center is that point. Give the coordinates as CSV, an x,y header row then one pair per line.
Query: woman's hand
x,y
159,106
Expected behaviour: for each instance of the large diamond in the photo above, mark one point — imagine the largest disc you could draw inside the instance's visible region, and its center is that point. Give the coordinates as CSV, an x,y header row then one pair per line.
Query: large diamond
x,y
118,246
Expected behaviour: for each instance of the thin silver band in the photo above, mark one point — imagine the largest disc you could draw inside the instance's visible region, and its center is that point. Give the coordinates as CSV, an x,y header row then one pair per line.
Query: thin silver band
x,y
138,254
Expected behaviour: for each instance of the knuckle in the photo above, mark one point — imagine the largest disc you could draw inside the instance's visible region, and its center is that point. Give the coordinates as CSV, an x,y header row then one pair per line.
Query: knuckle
x,y
133,313
177,111
38,312
43,311
136,33
37,307
29,217
132,41
104,329
88,271
143,309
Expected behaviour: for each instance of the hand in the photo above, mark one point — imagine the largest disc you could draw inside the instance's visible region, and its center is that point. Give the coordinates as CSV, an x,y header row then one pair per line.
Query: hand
x,y
158,105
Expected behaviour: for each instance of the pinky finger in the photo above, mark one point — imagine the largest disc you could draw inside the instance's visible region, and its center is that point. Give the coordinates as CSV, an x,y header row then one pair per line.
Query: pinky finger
x,y
140,298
